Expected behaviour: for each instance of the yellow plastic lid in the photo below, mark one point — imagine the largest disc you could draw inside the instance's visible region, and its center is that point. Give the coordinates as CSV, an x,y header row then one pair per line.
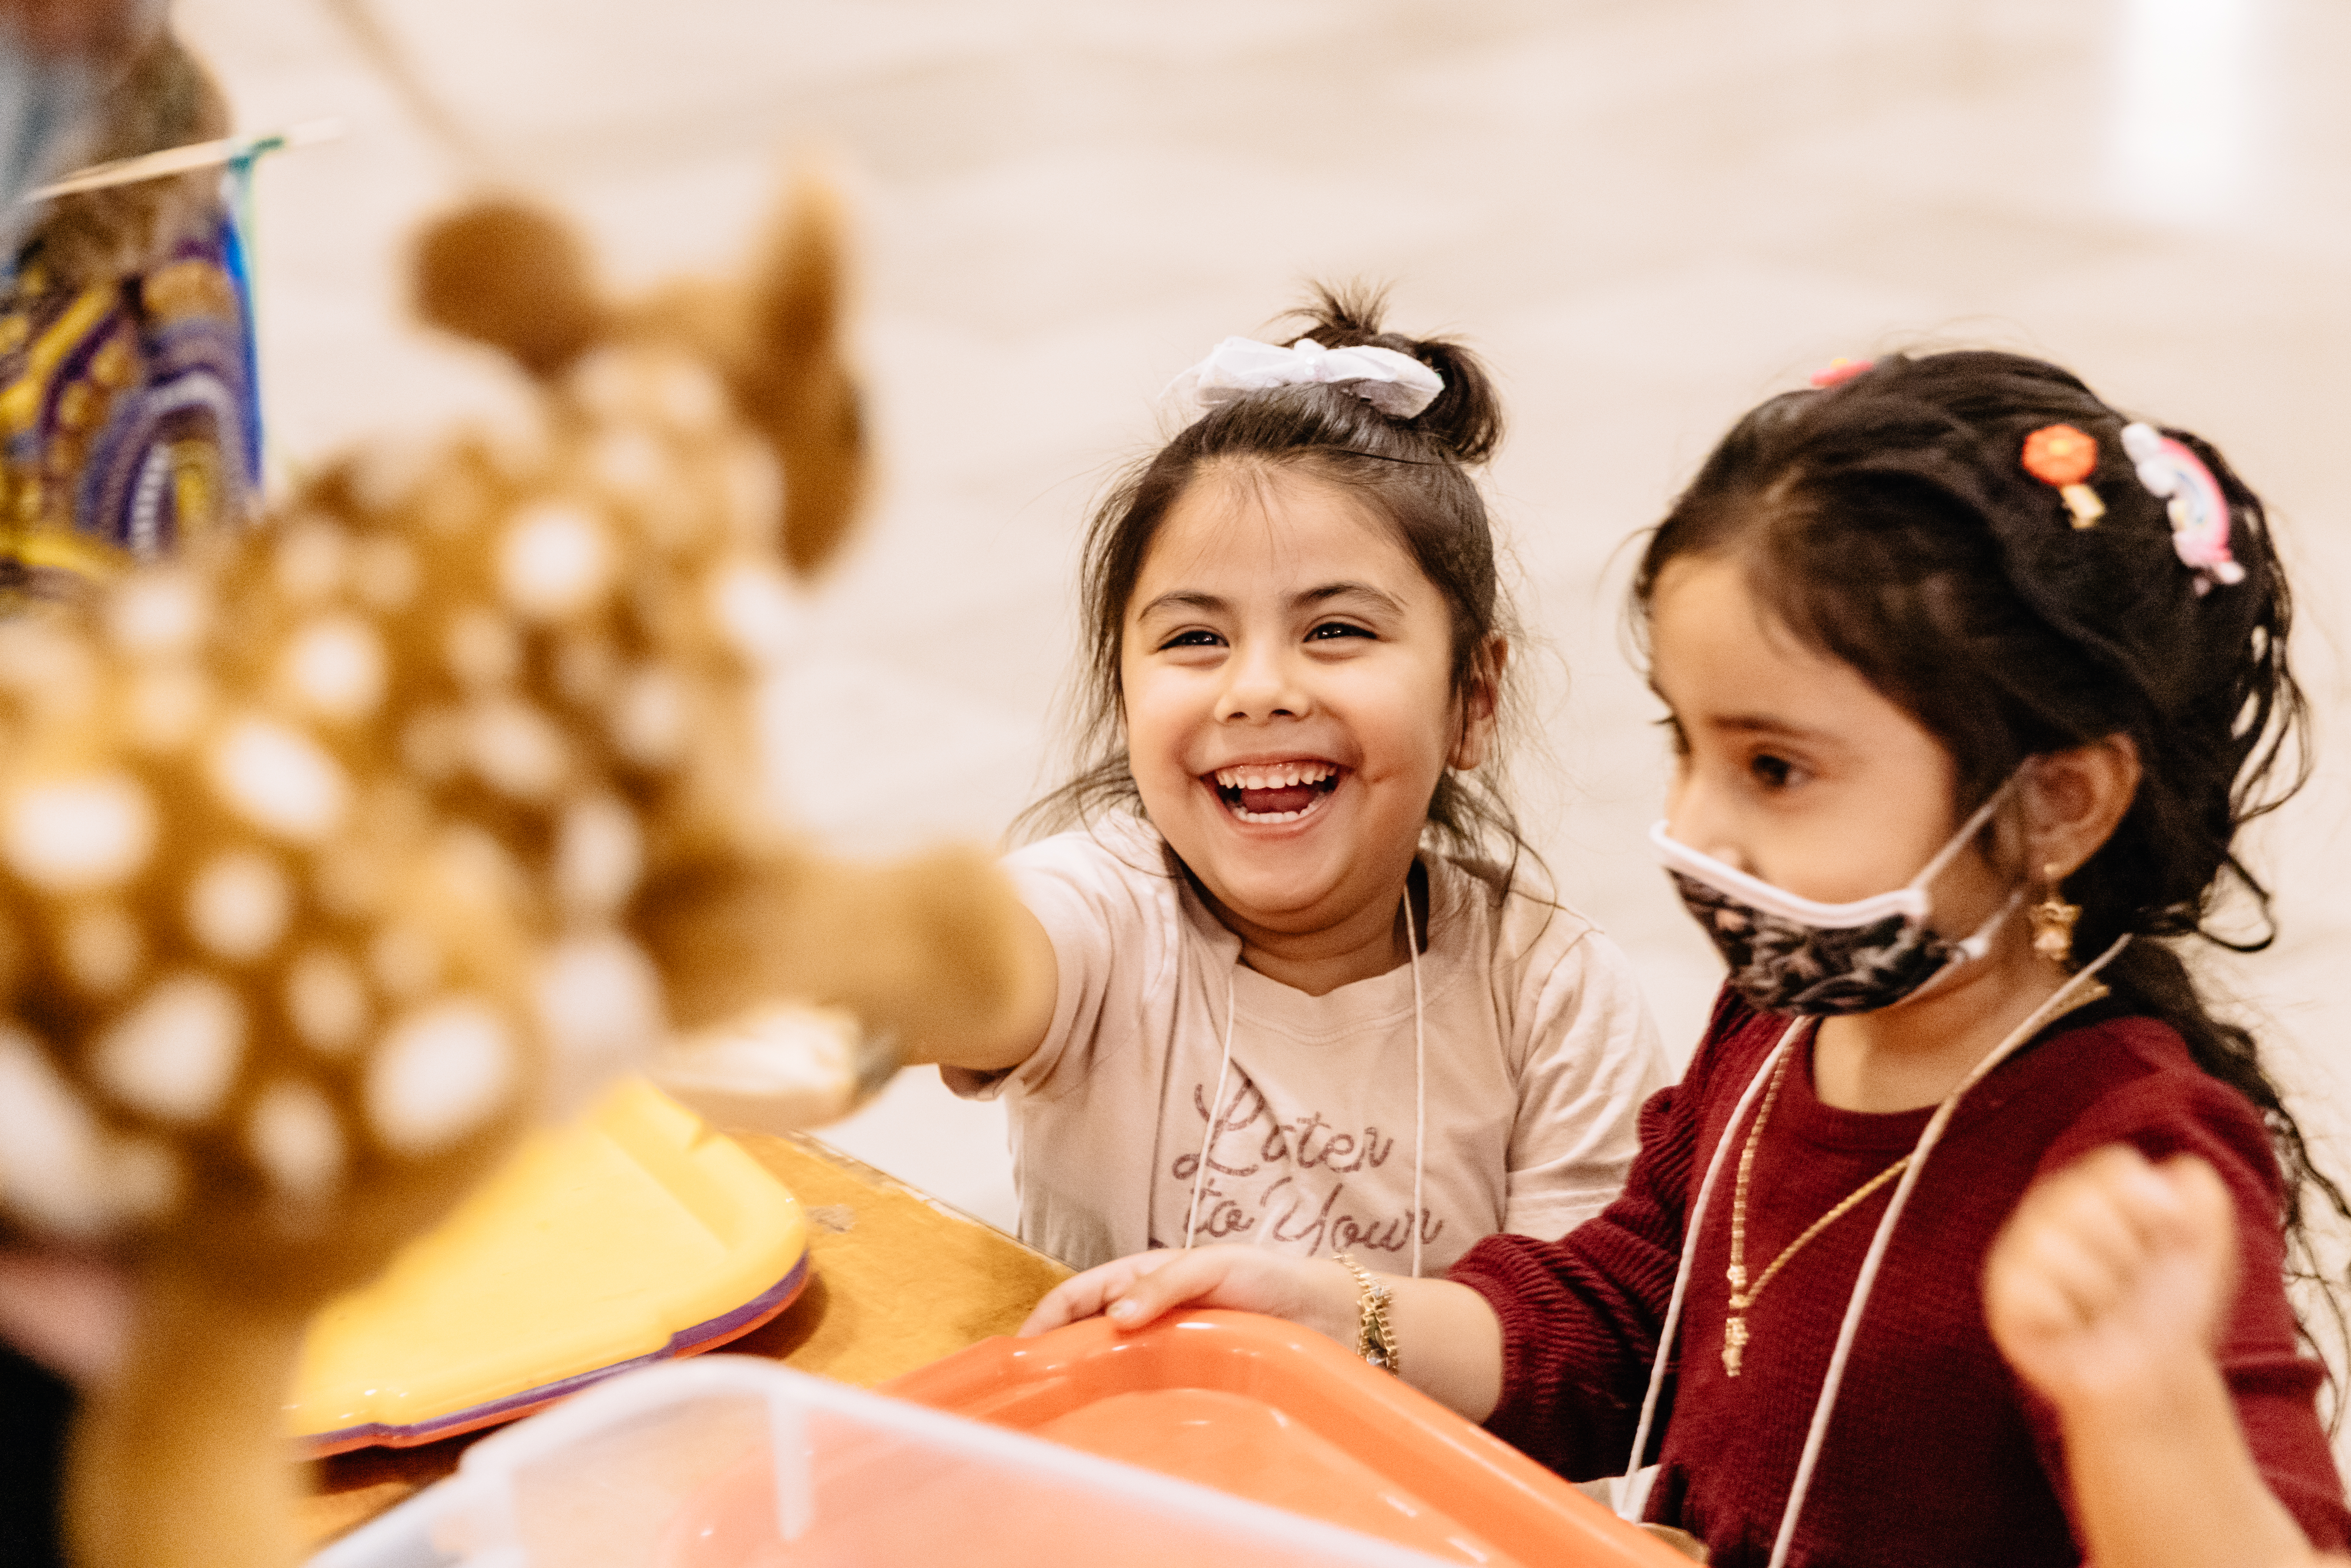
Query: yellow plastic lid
x,y
635,1234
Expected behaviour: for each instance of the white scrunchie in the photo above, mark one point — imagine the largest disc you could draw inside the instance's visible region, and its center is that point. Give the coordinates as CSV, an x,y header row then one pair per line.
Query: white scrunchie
x,y
1396,385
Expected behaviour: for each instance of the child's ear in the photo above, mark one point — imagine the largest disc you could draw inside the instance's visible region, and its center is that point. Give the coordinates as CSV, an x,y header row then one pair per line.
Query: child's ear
x,y
1480,702
2074,799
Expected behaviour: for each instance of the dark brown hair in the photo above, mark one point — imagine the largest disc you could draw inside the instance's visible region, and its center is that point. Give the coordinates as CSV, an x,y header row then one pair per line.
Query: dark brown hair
x,y
1890,523
1412,472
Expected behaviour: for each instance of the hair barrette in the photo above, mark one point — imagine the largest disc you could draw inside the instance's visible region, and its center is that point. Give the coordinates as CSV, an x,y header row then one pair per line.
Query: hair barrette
x,y
2199,508
1839,370
2061,456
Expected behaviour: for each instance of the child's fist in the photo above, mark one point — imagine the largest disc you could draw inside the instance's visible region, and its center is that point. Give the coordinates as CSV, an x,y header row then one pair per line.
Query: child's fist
x,y
2111,1272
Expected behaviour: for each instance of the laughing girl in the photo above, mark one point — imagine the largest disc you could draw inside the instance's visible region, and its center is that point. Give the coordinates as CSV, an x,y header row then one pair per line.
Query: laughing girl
x,y
1297,1006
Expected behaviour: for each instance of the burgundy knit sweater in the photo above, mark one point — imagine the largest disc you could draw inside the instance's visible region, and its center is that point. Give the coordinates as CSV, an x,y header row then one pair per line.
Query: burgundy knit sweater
x,y
1936,1454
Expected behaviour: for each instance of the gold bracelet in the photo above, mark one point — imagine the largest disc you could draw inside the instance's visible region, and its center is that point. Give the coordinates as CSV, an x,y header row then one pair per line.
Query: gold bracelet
x,y
1375,1339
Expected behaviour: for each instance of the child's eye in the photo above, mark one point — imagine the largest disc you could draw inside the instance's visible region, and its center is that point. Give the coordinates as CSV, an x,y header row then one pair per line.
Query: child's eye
x,y
1675,736
1772,773
1325,631
1198,637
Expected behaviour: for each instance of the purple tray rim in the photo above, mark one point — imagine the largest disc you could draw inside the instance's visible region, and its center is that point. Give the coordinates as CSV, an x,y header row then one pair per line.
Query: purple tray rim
x,y
684,1342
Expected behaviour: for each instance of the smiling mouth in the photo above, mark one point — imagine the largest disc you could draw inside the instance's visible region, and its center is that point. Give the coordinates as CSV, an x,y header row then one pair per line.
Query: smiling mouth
x,y
1277,791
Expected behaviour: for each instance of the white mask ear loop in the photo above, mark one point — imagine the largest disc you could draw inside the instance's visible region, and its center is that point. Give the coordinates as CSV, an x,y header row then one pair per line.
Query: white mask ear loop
x,y
1972,948
1419,1077
1976,943
1818,1433
1963,838
1215,1110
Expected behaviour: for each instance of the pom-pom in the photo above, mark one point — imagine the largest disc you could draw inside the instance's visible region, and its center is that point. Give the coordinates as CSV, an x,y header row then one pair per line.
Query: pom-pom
x,y
509,276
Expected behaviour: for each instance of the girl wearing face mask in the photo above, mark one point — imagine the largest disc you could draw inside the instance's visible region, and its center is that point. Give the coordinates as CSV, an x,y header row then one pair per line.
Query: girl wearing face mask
x,y
1973,681
1308,997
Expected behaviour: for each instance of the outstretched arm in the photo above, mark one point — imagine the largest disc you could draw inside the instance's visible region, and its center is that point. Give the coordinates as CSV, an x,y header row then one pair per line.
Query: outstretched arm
x,y
1012,1033
1449,1340
938,951
2104,1292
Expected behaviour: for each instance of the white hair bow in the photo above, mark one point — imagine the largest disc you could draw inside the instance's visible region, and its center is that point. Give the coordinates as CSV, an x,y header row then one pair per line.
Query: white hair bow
x,y
1396,385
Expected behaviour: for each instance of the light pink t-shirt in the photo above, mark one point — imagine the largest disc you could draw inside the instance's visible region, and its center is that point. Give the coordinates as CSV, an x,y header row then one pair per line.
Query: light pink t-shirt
x,y
1539,1053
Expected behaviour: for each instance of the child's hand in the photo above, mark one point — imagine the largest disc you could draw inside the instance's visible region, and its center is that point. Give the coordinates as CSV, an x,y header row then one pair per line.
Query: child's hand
x,y
2111,1274
1136,1291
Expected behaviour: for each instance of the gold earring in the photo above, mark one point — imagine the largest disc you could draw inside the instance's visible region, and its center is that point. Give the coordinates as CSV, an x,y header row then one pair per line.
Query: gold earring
x,y
2053,923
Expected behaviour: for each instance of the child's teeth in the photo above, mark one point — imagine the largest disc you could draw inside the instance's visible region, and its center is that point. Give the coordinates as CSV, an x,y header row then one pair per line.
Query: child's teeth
x,y
1288,776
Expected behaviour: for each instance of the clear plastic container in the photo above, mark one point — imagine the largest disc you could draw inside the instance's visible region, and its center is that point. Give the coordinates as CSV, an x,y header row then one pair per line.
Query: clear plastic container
x,y
731,1462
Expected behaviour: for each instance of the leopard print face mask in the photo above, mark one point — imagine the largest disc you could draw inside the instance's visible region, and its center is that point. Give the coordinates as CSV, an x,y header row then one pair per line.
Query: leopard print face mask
x,y
1797,956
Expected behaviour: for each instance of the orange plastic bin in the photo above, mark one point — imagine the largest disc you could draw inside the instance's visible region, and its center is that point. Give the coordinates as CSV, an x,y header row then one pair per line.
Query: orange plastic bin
x,y
1262,1409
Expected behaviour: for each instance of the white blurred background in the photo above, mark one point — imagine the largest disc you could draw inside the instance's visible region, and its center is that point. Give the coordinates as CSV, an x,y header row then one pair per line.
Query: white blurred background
x,y
1649,214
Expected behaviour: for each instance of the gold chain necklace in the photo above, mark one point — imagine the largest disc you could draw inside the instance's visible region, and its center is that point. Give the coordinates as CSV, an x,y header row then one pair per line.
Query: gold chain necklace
x,y
1734,1331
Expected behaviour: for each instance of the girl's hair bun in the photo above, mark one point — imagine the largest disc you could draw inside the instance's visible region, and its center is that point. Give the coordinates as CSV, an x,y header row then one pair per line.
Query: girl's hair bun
x,y
1467,417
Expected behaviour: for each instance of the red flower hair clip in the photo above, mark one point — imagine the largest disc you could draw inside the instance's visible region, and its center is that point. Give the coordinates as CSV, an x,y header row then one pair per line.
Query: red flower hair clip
x,y
2061,456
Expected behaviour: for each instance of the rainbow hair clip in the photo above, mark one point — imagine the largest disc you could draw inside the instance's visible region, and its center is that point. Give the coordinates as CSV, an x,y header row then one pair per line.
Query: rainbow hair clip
x,y
2199,508
1839,370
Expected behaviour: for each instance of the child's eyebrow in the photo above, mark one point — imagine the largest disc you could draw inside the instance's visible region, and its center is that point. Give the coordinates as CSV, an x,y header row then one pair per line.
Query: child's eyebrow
x,y
1330,590
1763,723
1183,599
1742,723
1208,603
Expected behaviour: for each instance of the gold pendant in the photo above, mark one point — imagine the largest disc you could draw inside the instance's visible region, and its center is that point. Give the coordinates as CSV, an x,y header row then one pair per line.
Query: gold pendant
x,y
1734,1341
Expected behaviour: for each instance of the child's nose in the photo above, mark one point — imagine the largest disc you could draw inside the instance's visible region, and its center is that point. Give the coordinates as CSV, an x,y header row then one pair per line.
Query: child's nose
x,y
1260,683
1694,819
